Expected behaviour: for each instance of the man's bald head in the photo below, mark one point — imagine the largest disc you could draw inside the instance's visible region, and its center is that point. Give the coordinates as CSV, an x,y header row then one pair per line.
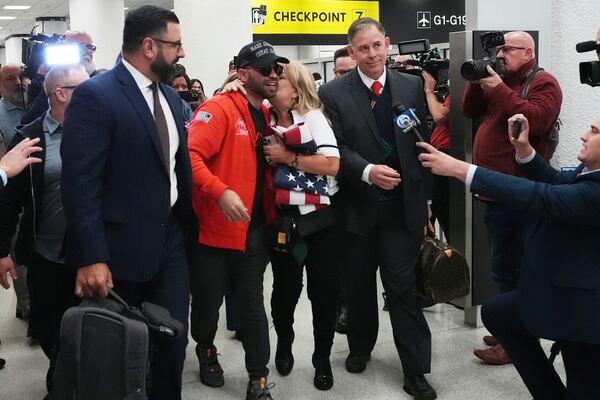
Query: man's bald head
x,y
10,85
518,50
524,39
84,38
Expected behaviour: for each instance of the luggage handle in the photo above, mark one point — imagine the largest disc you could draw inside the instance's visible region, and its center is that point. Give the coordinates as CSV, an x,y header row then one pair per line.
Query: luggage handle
x,y
157,318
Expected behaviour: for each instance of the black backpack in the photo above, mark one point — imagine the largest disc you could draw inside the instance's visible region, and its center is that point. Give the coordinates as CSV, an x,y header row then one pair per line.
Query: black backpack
x,y
105,349
555,134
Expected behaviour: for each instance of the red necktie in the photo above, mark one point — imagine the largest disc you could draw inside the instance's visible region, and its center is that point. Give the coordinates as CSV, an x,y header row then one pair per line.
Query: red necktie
x,y
376,87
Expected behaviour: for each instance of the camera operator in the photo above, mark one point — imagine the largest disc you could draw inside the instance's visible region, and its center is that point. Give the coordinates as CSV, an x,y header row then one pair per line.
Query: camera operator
x,y
440,139
495,98
38,100
402,61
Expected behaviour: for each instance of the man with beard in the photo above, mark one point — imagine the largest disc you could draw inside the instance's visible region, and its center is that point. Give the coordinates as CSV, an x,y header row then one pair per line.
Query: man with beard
x,y
39,100
126,184
494,99
234,205
12,104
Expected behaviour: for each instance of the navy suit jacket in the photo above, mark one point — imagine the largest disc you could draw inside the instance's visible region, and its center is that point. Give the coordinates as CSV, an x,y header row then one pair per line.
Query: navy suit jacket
x,y
115,187
347,105
559,288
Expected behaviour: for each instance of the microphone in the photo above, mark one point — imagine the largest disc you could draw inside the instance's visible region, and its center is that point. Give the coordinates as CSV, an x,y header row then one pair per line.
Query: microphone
x,y
407,120
584,47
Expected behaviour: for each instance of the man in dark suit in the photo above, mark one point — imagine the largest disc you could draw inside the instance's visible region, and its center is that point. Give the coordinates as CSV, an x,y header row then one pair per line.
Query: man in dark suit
x,y
558,295
127,183
386,206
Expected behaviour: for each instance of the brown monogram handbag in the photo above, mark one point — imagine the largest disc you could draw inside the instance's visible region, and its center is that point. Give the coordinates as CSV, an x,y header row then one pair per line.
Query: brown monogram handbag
x,y
442,273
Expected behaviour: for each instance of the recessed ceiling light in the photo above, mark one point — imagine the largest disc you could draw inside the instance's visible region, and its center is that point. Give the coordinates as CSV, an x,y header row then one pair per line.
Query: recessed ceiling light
x,y
17,7
6,17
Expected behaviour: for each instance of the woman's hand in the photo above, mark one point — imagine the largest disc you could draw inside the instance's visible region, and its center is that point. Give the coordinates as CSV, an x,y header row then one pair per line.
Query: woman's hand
x,y
277,153
429,82
234,86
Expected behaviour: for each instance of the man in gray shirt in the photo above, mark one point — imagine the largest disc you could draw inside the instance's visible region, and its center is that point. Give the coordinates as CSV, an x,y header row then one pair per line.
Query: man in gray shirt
x,y
42,226
12,104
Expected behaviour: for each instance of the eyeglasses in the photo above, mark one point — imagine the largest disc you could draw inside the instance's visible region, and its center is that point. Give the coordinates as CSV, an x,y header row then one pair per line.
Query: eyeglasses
x,y
506,49
175,45
343,71
67,87
266,71
90,47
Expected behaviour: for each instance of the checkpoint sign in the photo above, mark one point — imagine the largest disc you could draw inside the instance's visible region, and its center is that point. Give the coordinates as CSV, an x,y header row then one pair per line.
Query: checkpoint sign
x,y
309,21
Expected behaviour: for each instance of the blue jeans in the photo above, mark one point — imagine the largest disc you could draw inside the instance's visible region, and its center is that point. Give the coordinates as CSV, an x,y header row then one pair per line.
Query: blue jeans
x,y
508,230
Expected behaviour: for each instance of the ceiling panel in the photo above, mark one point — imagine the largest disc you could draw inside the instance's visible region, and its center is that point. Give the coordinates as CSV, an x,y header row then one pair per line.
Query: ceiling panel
x,y
25,19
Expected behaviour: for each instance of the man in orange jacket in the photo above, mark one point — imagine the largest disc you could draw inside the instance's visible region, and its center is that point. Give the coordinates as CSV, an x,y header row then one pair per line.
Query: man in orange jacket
x,y
233,204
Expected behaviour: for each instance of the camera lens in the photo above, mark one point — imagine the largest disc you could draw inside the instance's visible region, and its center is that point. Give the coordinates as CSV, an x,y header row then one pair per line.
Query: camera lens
x,y
474,70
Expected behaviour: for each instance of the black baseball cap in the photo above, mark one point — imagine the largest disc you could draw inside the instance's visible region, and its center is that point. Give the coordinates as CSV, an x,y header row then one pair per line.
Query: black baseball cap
x,y
259,54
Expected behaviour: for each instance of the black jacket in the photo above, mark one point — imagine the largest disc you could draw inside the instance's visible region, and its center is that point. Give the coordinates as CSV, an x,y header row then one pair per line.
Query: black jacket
x,y
21,195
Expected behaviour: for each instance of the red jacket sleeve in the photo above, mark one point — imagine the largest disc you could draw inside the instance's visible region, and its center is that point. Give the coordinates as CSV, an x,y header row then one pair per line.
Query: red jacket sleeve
x,y
206,135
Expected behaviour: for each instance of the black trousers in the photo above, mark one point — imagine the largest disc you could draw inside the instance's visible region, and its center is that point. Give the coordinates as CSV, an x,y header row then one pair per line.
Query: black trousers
x,y
213,269
582,361
392,247
322,263
51,293
168,288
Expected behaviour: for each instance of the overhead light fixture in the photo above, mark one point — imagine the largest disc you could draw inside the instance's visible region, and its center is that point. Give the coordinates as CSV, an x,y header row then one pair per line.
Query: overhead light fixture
x,y
17,7
125,8
6,17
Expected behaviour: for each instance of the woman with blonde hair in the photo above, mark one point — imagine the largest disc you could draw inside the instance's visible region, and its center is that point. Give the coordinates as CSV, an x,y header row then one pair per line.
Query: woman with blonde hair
x,y
304,148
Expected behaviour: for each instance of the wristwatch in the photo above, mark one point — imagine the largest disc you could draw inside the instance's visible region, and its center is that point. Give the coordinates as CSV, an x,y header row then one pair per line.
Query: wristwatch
x,y
295,161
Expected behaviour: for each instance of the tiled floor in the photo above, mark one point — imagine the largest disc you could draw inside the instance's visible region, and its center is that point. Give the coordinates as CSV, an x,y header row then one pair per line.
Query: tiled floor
x,y
456,374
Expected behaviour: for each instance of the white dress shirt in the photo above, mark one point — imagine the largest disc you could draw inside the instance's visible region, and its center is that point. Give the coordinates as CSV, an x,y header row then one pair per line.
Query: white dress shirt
x,y
143,84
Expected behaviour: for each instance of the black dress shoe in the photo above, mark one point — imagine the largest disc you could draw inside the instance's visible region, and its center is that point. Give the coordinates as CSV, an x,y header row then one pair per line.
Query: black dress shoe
x,y
356,363
2,363
341,324
419,388
284,359
323,375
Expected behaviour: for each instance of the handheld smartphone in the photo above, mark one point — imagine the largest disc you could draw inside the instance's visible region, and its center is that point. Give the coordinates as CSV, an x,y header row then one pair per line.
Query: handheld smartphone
x,y
517,129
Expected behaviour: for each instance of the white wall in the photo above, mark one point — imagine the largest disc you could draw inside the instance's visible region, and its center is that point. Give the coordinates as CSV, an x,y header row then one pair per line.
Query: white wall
x,y
104,21
213,31
573,21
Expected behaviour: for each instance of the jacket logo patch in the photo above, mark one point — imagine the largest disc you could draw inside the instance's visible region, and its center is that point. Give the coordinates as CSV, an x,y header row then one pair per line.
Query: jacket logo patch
x,y
240,128
203,116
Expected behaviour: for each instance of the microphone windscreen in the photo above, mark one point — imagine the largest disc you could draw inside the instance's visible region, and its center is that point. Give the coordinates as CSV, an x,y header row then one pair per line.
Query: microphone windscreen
x,y
584,47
